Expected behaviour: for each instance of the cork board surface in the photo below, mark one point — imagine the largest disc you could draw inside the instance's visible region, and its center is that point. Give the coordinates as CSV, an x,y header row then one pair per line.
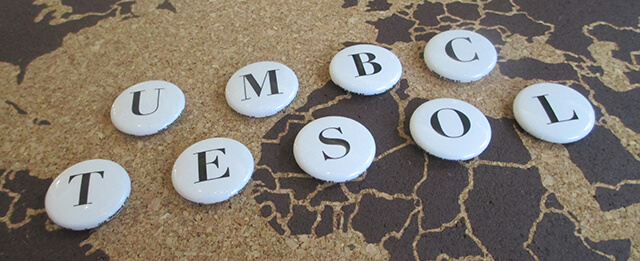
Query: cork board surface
x,y
63,62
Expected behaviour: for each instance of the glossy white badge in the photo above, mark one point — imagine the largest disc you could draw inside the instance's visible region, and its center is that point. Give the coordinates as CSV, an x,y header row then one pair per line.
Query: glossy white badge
x,y
460,55
334,149
554,113
87,194
365,69
147,107
261,89
450,129
212,170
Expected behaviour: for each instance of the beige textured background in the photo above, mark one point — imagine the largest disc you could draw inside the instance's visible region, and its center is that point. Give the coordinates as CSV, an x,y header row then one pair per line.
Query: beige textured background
x,y
198,49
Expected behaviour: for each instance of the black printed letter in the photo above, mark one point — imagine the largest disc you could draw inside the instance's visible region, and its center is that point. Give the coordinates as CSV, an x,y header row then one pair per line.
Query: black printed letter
x,y
135,107
84,186
550,113
202,165
360,65
435,123
451,53
273,82
332,141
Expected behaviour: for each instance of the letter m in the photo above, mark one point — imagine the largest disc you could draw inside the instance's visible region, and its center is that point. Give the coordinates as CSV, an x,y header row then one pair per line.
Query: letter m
x,y
257,88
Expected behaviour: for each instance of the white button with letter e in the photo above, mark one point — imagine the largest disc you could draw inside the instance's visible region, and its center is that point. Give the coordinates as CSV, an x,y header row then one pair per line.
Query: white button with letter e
x,y
212,170
147,107
554,113
87,194
460,55
334,148
261,89
450,129
365,69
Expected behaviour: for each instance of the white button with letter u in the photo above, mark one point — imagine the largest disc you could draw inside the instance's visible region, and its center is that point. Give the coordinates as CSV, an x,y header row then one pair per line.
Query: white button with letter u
x,y
147,107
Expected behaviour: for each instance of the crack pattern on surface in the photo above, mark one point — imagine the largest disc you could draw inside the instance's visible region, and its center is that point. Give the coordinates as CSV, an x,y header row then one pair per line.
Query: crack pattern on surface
x,y
502,204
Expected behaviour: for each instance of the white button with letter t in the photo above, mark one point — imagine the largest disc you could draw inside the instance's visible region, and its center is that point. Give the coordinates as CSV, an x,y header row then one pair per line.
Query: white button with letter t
x,y
554,113
261,89
147,107
87,194
212,170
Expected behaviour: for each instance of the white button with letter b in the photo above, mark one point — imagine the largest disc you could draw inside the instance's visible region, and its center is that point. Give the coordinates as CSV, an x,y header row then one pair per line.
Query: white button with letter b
x,y
365,69
212,170
554,113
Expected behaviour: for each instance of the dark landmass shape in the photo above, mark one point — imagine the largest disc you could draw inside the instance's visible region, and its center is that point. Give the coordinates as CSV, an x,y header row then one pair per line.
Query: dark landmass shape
x,y
502,208
372,224
610,199
25,40
555,239
603,159
32,241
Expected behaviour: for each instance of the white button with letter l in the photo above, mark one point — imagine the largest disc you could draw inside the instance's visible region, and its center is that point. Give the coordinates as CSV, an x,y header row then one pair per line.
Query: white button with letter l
x,y
147,107
212,170
365,69
87,194
334,148
554,113
261,89
450,129
460,55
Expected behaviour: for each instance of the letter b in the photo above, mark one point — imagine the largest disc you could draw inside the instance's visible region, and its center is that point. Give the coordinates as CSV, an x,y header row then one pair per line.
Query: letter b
x,y
360,64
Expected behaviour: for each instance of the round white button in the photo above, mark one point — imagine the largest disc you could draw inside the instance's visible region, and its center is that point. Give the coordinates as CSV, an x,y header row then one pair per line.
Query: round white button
x,y
87,194
554,113
460,55
334,149
261,89
365,69
450,129
212,170
147,107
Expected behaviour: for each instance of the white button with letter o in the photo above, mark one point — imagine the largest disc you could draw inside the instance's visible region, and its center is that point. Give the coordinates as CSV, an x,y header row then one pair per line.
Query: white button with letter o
x,y
87,194
554,113
147,107
212,170
460,55
450,129
365,69
334,148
